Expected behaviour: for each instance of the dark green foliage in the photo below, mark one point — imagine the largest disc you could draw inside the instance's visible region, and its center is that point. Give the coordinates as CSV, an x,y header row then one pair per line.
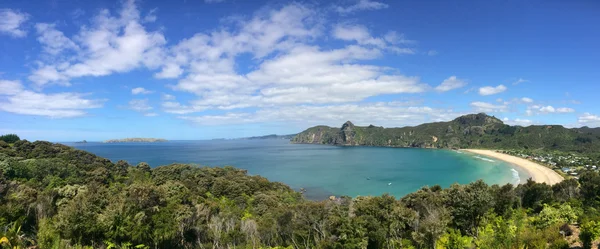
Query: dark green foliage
x,y
53,196
9,138
469,131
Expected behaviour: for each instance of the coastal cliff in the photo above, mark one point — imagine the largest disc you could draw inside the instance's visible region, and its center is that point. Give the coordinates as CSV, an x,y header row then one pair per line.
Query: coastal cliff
x,y
136,140
469,131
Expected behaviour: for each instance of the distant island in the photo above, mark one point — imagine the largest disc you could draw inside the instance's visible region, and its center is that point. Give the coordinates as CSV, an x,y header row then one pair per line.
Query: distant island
x,y
272,136
136,140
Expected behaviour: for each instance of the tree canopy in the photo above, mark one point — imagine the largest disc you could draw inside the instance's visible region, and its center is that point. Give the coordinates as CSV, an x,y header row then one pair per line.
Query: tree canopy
x,y
53,196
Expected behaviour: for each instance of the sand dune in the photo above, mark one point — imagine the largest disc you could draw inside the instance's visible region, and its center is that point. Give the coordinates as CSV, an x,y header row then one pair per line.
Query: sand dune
x,y
538,173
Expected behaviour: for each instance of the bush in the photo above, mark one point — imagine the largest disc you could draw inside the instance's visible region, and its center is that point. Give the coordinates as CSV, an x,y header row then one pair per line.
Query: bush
x,y
560,244
10,138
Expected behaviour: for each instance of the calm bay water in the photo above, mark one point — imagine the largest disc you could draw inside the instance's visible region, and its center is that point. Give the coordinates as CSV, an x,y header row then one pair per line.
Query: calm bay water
x,y
322,170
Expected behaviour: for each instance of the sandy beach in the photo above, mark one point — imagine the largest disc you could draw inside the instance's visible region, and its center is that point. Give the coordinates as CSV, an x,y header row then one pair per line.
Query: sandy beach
x,y
538,173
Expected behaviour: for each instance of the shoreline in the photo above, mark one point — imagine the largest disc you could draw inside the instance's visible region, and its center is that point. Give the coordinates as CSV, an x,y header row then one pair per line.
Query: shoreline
x,y
538,173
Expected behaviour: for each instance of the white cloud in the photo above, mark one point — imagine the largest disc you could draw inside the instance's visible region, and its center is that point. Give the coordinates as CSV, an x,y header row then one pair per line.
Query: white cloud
x,y
112,44
518,121
536,109
526,100
11,22
56,105
432,53
297,73
547,109
139,105
380,113
165,96
588,119
151,16
151,114
140,90
565,110
169,71
488,107
53,41
519,81
10,87
360,5
451,83
177,108
214,1
362,36
490,90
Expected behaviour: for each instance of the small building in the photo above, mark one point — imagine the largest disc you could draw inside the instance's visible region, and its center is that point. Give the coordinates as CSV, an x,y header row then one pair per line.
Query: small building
x,y
566,170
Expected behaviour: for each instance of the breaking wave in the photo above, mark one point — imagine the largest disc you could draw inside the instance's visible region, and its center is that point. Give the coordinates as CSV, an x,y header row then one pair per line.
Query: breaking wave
x,y
484,159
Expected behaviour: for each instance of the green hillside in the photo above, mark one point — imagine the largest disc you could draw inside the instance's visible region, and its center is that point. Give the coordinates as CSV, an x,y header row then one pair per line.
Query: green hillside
x,y
469,131
53,196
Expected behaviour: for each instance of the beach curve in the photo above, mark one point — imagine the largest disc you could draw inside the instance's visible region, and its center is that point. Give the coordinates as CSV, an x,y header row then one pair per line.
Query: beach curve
x,y
538,173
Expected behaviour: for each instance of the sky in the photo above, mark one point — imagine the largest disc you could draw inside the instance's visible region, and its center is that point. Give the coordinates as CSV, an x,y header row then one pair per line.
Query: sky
x,y
191,69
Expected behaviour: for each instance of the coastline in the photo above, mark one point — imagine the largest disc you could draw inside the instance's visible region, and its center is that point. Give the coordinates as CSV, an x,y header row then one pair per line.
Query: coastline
x,y
538,173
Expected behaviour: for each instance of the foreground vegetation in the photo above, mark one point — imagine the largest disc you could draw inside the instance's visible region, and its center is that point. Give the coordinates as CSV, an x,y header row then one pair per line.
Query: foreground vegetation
x,y
469,131
53,196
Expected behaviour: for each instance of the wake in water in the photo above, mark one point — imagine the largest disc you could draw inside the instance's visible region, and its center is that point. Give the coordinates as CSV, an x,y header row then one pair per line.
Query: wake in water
x,y
484,159
516,176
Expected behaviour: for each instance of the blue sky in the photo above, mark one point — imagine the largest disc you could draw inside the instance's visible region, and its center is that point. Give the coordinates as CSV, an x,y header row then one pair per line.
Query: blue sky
x,y
95,70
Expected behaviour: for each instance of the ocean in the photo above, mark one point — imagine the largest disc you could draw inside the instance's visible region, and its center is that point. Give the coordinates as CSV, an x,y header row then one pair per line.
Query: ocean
x,y
322,170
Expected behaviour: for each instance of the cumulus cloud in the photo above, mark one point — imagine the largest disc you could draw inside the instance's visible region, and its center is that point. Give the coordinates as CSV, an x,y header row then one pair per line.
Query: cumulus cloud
x,y
11,22
451,83
57,105
588,119
536,109
53,40
112,44
296,73
488,107
140,90
360,5
526,100
490,90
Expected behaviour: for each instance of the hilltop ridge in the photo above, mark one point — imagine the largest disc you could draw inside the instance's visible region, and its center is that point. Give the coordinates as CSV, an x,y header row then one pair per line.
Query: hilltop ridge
x,y
468,131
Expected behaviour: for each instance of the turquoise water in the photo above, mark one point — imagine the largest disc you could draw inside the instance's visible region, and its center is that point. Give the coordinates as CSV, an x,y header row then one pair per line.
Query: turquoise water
x,y
322,170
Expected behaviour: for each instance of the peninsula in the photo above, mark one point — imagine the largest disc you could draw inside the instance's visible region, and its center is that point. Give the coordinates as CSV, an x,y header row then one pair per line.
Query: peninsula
x,y
473,131
136,140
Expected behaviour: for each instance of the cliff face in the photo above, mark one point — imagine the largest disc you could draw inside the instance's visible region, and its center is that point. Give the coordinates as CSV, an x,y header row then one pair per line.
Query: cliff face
x,y
469,131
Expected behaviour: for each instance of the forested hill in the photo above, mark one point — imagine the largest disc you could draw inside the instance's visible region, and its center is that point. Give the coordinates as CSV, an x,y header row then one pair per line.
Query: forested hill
x,y
53,196
469,131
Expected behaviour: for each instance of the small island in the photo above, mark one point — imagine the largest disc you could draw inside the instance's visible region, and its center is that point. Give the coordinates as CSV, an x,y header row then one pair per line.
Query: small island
x,y
136,140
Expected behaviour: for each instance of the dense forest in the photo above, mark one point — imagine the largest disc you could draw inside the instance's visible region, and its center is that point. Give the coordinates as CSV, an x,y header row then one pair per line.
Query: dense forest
x,y
53,196
469,131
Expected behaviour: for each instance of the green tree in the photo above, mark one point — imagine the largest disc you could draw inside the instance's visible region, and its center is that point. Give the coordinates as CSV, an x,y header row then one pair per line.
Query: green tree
x,y
589,232
10,138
